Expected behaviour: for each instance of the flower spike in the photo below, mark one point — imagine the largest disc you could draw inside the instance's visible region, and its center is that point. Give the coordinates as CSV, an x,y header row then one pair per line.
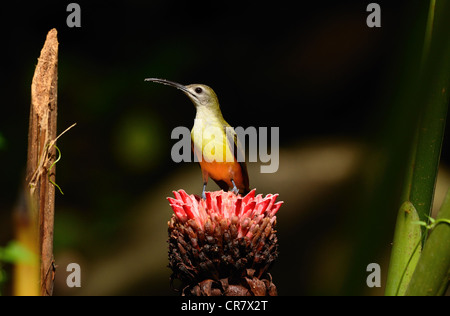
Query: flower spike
x,y
223,244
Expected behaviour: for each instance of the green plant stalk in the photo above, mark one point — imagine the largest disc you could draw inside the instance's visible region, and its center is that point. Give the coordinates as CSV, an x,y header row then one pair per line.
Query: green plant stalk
x,y
431,276
420,181
433,97
407,254
428,31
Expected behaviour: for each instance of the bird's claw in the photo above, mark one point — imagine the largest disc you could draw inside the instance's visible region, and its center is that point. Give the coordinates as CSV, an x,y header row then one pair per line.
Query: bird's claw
x,y
235,190
203,191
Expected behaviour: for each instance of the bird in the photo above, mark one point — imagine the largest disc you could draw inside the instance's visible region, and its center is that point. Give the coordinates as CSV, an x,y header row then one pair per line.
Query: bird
x,y
214,141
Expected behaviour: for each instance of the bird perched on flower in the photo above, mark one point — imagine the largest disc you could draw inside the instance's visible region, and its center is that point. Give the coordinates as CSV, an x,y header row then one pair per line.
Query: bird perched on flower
x,y
214,141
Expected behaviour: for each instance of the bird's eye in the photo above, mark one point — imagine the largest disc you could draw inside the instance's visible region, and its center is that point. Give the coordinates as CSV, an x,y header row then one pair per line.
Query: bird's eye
x,y
198,90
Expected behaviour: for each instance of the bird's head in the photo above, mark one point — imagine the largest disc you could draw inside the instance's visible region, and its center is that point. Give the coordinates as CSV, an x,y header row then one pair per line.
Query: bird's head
x,y
201,95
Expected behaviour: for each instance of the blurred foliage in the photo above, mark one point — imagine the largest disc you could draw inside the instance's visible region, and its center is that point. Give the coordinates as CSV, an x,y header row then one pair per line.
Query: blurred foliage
x,y
316,71
15,252
12,253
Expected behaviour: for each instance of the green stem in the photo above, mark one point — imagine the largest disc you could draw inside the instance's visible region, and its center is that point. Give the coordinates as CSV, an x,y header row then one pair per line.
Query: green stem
x,y
432,96
432,271
428,31
434,100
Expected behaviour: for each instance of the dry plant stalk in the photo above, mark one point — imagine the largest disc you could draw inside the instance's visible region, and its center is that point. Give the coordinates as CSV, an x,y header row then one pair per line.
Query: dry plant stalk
x,y
41,155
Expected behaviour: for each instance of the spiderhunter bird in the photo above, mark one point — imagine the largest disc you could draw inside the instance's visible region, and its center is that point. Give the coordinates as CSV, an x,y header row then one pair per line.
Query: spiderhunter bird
x,y
214,141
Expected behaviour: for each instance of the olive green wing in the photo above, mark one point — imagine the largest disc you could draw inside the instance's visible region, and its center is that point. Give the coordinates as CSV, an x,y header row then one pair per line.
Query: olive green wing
x,y
238,153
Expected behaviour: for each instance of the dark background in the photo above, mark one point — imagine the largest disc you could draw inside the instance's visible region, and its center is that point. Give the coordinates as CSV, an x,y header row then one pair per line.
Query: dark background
x,y
313,69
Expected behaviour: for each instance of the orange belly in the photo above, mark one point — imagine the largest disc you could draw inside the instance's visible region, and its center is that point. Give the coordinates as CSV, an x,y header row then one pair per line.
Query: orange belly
x,y
224,171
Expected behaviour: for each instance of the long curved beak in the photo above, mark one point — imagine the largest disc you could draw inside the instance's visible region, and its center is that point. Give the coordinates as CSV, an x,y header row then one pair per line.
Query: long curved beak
x,y
172,84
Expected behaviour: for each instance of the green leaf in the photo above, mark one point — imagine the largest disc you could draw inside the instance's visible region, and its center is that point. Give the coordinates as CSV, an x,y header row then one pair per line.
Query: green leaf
x,y
406,250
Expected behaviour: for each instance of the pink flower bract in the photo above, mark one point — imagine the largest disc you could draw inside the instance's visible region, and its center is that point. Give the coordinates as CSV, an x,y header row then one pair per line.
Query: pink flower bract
x,y
226,207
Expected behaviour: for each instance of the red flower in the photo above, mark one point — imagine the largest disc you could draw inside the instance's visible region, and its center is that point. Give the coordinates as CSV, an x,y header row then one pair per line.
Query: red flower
x,y
223,245
221,205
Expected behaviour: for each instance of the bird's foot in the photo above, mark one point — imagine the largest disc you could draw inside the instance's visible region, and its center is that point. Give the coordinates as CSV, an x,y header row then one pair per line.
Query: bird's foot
x,y
203,191
235,190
